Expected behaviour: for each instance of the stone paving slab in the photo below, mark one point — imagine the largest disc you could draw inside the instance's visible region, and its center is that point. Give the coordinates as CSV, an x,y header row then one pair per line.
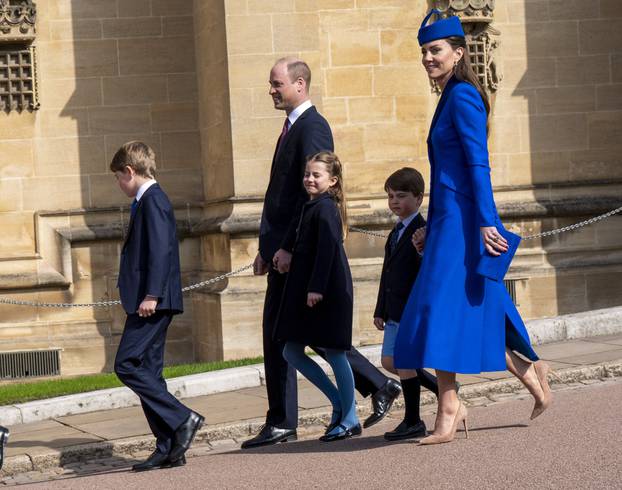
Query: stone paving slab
x,y
573,348
122,434
605,339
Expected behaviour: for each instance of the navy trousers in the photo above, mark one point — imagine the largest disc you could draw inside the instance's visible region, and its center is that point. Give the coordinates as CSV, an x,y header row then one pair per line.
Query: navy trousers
x,y
281,383
139,364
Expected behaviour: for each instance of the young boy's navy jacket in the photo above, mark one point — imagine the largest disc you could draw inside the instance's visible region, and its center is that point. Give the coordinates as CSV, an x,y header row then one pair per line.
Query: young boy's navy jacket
x,y
399,271
150,255
319,265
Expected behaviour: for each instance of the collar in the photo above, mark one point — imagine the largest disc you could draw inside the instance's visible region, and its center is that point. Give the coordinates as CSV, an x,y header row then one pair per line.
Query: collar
x,y
321,197
409,220
143,188
297,112
451,83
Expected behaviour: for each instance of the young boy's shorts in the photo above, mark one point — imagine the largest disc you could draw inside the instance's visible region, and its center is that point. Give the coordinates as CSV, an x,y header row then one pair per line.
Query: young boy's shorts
x,y
390,334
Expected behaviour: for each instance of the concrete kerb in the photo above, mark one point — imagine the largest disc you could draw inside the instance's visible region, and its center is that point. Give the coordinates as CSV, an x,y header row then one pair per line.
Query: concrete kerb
x,y
593,323
580,325
309,421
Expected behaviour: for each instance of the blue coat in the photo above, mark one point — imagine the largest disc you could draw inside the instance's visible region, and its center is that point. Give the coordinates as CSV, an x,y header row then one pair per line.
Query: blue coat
x,y
150,255
456,320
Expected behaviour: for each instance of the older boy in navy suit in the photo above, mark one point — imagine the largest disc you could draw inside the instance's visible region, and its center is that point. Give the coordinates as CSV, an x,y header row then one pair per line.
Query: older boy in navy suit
x,y
399,271
150,290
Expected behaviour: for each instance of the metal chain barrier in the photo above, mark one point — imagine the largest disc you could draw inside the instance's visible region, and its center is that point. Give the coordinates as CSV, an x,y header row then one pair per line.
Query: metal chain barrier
x,y
106,304
575,226
557,231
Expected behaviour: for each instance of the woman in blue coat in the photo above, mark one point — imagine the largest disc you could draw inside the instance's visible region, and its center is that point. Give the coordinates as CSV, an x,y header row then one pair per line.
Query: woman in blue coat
x,y
456,320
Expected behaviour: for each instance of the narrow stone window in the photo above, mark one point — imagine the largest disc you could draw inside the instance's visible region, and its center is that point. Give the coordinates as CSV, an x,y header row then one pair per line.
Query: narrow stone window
x,y
18,81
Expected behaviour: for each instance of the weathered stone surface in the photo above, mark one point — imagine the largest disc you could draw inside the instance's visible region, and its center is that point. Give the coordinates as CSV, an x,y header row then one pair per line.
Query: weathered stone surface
x,y
190,79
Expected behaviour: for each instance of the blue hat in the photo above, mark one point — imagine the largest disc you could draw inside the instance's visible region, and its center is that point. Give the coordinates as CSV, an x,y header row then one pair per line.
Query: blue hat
x,y
441,29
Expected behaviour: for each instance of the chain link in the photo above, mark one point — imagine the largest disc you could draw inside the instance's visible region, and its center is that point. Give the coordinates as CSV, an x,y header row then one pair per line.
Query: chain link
x,y
106,304
575,226
367,232
557,231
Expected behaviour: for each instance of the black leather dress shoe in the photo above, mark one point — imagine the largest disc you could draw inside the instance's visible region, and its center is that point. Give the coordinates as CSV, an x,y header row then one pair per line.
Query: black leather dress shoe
x,y
174,464
155,461
4,437
405,431
382,401
269,434
345,434
184,435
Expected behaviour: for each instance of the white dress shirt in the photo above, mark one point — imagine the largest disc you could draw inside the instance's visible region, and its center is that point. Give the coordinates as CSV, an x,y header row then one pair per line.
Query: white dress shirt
x,y
143,188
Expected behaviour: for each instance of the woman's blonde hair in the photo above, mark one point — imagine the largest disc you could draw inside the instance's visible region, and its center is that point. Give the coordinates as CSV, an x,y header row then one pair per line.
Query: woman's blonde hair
x,y
335,169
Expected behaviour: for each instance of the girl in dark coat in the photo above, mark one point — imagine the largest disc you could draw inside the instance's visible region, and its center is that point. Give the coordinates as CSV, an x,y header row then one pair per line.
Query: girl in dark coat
x,y
316,308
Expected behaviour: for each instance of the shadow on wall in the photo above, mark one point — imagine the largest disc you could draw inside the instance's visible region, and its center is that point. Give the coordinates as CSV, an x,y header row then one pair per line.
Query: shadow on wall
x,y
132,67
570,138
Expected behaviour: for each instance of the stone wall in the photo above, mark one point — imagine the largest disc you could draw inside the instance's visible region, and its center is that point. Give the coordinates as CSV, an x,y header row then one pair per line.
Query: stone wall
x,y
555,142
552,164
109,71
191,78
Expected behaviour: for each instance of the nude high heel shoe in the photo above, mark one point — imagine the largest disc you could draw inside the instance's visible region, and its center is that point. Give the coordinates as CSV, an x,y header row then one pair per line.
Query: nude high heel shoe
x,y
461,416
542,370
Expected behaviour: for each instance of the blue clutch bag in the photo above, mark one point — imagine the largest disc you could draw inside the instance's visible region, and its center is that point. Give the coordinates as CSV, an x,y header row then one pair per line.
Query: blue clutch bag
x,y
493,267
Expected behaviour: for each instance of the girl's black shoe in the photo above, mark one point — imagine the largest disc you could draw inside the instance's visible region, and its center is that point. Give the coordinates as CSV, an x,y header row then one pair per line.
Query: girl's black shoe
x,y
345,434
335,424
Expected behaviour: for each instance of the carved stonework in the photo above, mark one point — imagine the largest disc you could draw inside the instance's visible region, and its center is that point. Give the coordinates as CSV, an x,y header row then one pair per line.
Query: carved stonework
x,y
476,17
17,20
468,10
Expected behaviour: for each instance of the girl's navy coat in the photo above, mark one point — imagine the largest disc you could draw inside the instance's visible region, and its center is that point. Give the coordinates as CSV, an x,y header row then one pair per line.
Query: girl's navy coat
x,y
319,265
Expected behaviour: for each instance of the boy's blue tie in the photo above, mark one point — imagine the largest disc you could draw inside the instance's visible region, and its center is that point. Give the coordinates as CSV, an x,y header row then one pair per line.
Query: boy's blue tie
x,y
133,207
395,234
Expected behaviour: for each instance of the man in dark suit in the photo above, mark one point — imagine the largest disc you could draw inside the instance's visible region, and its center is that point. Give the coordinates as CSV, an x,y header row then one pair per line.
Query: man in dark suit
x,y
401,264
150,291
305,132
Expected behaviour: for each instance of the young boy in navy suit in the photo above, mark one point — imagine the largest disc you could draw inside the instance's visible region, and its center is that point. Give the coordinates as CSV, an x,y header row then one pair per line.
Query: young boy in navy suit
x,y
404,190
150,290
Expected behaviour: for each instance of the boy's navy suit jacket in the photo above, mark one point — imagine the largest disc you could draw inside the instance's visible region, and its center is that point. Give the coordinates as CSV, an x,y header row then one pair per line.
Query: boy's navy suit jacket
x,y
150,255
399,272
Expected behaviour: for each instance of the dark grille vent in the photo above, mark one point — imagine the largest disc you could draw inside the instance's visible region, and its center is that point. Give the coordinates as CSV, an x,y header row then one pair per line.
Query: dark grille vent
x,y
510,285
29,364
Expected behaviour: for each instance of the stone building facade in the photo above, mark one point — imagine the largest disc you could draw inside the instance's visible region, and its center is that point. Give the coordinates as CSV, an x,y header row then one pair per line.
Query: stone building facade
x,y
190,78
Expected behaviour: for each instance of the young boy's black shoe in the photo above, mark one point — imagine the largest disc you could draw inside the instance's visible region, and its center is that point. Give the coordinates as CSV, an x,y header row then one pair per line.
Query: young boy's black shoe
x,y
405,431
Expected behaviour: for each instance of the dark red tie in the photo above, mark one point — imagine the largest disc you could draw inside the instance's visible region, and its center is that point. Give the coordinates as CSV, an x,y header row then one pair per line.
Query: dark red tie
x,y
283,134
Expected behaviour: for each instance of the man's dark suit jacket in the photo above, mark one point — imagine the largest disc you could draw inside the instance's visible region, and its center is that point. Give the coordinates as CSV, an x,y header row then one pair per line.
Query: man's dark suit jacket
x,y
399,272
286,195
150,255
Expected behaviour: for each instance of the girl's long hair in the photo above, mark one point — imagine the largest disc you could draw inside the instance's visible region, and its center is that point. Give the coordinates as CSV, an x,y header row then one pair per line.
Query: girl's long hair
x,y
335,169
464,71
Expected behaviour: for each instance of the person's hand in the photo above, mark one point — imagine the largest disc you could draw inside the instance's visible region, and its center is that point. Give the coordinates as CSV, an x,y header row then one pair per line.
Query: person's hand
x,y
313,299
379,323
260,266
494,243
418,239
148,306
281,260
